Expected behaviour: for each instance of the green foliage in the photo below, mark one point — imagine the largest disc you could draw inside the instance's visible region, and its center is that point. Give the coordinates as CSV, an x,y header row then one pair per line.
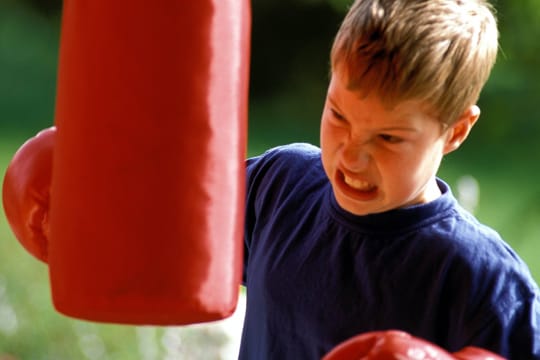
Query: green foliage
x,y
28,61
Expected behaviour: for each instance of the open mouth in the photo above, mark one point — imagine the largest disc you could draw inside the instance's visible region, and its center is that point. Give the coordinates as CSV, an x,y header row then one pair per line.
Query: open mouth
x,y
359,185
356,188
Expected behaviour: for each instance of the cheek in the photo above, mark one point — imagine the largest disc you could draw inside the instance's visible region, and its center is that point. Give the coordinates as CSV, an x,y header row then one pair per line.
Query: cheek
x,y
432,157
331,135
324,131
328,144
417,167
327,140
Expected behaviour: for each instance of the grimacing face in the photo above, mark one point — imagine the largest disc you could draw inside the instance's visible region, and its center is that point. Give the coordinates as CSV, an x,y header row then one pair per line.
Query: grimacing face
x,y
379,158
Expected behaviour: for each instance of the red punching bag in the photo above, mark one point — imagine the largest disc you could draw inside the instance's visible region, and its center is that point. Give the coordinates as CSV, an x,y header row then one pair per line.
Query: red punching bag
x,y
147,193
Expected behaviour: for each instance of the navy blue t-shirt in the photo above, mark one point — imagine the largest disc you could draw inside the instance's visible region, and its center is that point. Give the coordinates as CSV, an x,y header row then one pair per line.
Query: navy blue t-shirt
x,y
317,275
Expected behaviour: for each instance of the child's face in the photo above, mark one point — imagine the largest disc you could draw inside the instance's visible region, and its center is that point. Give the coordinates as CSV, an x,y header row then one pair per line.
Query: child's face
x,y
378,158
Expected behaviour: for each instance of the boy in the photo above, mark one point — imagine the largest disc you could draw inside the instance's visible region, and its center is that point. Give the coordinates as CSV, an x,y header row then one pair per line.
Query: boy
x,y
361,235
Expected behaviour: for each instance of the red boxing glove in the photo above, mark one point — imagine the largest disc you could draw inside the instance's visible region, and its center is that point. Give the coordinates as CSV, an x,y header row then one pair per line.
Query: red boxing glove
x,y
474,353
398,345
25,192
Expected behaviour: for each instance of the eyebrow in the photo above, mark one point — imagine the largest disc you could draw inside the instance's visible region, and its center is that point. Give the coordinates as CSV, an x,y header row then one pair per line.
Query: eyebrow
x,y
389,128
399,128
331,101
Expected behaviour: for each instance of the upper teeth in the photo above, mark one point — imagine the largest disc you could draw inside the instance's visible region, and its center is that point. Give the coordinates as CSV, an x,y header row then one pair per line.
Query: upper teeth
x,y
358,184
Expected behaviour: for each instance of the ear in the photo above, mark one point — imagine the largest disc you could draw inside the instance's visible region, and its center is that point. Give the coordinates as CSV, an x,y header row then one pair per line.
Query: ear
x,y
459,130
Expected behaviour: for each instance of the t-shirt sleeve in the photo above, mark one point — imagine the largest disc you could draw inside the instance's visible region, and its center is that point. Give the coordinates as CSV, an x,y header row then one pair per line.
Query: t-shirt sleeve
x,y
257,168
509,322
266,175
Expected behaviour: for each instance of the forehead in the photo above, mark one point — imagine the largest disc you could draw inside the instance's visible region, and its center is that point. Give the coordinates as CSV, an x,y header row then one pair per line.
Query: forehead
x,y
363,102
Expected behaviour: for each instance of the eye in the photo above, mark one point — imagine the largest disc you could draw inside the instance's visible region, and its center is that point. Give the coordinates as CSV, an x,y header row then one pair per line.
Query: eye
x,y
391,139
337,115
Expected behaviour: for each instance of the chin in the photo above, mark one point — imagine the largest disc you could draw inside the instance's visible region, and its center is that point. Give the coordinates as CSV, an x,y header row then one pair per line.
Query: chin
x,y
354,208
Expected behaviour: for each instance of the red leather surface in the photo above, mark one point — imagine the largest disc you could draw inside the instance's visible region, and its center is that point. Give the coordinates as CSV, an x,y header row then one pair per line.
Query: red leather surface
x,y
26,190
399,345
148,177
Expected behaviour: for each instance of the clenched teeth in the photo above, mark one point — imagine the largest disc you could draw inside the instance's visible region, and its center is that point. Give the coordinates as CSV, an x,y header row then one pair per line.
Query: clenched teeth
x,y
359,184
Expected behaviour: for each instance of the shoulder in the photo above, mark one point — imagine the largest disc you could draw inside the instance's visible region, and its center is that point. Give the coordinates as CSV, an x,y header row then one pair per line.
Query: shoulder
x,y
481,244
474,258
477,247
284,175
490,286
294,154
288,163
492,277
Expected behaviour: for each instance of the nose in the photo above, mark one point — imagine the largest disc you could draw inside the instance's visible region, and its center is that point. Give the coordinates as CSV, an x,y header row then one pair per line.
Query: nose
x,y
355,155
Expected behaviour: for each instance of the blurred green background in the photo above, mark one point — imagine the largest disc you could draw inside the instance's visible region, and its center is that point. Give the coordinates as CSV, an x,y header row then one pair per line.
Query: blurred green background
x,y
289,66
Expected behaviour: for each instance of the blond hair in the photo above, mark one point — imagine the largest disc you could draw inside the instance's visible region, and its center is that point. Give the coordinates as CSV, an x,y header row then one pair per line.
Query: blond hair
x,y
437,51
